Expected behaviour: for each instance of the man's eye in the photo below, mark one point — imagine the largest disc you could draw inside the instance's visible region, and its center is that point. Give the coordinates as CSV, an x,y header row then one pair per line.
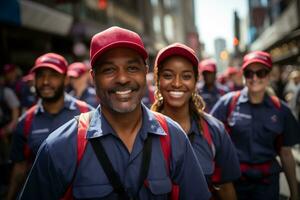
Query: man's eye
x,y
133,68
106,70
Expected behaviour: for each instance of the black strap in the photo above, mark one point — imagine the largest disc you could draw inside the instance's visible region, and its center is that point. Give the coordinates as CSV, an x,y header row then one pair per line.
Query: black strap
x,y
112,175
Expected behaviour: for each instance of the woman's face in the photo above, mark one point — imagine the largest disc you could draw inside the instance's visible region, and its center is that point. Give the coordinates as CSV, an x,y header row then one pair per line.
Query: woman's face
x,y
176,82
257,77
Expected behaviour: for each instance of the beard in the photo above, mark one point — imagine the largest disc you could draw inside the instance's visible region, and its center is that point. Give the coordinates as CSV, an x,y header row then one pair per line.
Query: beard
x,y
58,93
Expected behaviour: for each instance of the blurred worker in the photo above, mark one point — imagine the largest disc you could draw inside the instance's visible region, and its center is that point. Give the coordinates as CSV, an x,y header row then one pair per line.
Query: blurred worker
x,y
53,109
210,90
261,127
79,80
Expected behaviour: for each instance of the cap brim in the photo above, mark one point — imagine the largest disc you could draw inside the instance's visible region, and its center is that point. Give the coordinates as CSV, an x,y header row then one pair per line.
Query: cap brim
x,y
47,65
178,51
246,64
139,49
208,69
73,74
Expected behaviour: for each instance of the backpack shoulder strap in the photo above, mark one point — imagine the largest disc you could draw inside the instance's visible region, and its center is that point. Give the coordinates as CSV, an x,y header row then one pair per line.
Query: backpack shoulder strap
x,y
26,130
165,142
83,124
83,107
207,135
276,101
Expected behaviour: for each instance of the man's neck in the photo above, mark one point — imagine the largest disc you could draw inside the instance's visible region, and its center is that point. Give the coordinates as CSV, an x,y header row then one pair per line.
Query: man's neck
x,y
126,125
55,106
257,97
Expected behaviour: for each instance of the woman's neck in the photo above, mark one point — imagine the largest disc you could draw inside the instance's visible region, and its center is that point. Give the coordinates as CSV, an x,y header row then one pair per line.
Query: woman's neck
x,y
256,97
180,115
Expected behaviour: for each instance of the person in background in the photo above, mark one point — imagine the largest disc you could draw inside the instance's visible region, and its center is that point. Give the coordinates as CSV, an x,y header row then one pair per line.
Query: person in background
x,y
148,98
210,90
79,73
234,78
117,151
261,127
53,109
29,97
9,113
176,75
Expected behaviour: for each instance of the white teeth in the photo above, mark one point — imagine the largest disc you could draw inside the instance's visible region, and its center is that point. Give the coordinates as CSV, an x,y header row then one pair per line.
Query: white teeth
x,y
176,94
123,92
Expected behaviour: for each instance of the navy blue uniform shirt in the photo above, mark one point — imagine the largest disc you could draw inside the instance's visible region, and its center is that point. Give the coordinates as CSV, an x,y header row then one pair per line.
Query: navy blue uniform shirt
x,y
254,127
89,96
220,154
43,123
211,97
55,164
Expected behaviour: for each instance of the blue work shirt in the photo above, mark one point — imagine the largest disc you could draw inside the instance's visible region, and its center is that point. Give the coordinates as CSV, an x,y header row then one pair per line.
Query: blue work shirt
x,y
42,124
89,96
254,127
220,154
55,164
211,97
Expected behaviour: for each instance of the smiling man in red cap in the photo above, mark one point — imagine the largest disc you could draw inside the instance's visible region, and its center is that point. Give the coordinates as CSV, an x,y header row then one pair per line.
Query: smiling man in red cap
x,y
261,127
122,150
53,109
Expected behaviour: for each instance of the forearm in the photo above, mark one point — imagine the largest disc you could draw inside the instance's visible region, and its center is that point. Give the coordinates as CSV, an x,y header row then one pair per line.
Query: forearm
x,y
289,166
17,179
226,191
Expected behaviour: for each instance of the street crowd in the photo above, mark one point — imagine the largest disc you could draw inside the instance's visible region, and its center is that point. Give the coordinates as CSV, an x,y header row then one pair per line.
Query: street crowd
x,y
112,129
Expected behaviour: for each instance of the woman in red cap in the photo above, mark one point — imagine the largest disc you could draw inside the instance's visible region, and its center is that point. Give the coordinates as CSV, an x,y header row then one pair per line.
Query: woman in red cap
x,y
261,127
176,75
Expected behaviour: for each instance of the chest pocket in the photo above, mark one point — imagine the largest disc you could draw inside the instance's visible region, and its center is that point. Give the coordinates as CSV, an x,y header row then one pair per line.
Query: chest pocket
x,y
159,188
99,191
272,127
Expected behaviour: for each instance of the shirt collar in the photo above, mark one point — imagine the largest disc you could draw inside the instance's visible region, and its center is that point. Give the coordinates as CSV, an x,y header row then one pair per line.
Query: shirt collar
x,y
100,127
69,103
244,97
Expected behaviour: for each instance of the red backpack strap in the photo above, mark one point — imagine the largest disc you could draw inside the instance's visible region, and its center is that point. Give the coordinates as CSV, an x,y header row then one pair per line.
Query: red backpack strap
x,y
276,101
165,142
83,124
26,130
207,135
231,107
83,107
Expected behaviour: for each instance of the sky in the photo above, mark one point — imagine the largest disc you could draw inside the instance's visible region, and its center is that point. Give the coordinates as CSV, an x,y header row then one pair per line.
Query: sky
x,y
214,19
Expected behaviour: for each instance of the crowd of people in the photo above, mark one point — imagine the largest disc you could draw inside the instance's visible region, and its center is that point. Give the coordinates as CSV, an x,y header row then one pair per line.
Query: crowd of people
x,y
110,129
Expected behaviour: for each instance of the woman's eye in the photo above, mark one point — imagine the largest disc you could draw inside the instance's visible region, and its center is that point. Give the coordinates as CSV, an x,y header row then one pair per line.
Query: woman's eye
x,y
167,76
187,76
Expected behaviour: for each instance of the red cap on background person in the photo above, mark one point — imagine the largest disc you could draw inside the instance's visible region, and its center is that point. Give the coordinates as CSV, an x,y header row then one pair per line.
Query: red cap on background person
x,y
208,65
257,57
176,49
77,69
53,61
115,37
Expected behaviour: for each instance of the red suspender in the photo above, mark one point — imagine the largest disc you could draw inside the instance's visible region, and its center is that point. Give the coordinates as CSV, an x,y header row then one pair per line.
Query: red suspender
x,y
83,124
26,130
231,107
166,148
275,101
82,106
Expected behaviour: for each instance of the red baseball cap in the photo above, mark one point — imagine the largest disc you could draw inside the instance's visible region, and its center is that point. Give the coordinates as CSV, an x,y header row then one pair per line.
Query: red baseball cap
x,y
115,37
77,69
208,65
231,70
257,57
53,61
179,50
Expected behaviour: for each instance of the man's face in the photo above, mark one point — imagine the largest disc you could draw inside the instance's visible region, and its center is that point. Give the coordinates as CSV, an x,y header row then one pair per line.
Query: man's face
x,y
120,80
49,84
209,77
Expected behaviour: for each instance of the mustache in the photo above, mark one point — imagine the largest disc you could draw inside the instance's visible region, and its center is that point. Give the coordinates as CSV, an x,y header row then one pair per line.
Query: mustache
x,y
123,88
